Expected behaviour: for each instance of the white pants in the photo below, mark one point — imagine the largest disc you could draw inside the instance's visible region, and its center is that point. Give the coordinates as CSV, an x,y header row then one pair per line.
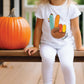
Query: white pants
x,y
66,56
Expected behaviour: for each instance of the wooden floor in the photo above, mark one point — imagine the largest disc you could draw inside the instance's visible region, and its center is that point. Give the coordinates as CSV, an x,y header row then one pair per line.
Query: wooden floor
x,y
30,73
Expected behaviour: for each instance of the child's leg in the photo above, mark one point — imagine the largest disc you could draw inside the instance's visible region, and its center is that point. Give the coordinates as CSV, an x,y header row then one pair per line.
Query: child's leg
x,y
66,56
48,58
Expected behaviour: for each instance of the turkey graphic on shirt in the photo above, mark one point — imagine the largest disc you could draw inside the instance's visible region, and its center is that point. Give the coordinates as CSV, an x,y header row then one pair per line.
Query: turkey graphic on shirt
x,y
57,30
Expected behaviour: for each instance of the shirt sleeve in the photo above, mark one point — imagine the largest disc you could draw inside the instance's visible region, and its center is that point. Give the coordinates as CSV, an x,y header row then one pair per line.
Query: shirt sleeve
x,y
74,11
39,13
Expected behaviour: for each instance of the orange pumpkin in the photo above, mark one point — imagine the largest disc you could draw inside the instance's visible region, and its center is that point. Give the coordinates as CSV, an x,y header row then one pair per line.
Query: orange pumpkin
x,y
15,32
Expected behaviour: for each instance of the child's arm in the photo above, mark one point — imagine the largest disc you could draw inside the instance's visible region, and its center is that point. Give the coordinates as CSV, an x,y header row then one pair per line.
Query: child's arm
x,y
36,37
76,33
37,33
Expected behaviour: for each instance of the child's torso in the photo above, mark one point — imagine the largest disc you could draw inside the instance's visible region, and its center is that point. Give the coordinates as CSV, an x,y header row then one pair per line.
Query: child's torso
x,y
56,17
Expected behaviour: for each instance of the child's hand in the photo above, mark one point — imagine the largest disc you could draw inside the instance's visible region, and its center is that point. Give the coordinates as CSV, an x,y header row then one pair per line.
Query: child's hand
x,y
81,49
31,50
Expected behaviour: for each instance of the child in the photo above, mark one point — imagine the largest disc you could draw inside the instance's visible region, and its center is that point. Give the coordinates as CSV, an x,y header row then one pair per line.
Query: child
x,y
57,28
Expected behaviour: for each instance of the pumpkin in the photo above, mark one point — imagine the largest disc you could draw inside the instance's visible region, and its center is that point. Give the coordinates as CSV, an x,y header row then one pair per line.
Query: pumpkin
x,y
15,32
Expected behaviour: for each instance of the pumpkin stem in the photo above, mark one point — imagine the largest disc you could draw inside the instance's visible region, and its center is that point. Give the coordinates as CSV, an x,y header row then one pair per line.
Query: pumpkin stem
x,y
11,14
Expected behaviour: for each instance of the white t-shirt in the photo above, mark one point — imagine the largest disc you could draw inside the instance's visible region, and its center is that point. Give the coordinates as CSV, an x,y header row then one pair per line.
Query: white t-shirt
x,y
66,13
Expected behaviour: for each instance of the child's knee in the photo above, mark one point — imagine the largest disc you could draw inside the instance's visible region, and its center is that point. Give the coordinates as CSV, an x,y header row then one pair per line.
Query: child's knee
x,y
47,57
67,66
47,53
